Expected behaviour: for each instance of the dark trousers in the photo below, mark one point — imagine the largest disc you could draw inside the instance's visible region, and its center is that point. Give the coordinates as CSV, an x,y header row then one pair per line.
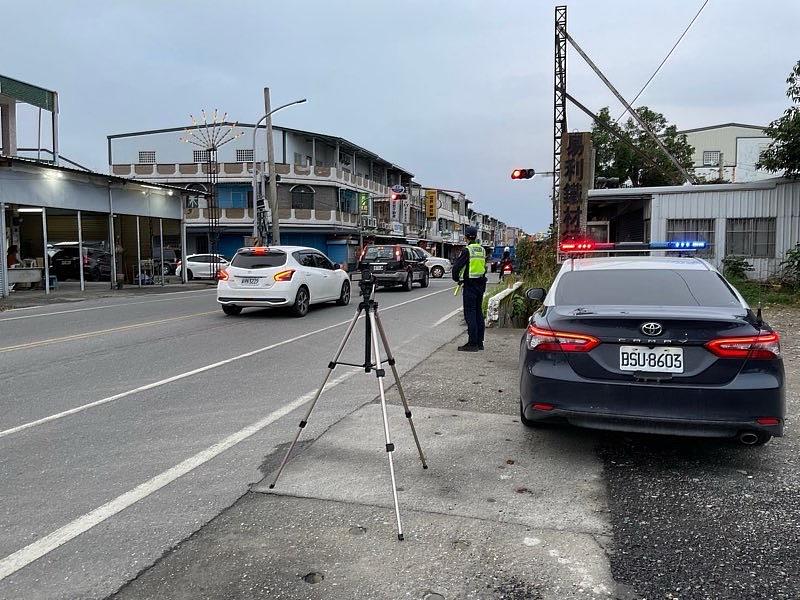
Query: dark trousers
x,y
473,312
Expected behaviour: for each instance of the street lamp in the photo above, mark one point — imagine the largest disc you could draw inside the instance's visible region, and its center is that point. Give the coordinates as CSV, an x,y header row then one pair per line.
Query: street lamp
x,y
271,164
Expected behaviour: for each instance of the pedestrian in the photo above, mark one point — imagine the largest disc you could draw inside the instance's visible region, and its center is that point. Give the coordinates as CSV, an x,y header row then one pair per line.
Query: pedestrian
x,y
469,269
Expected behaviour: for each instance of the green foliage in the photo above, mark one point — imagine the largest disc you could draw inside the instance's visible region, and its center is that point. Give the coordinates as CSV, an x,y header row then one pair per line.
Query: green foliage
x,y
736,267
790,275
783,153
766,294
617,159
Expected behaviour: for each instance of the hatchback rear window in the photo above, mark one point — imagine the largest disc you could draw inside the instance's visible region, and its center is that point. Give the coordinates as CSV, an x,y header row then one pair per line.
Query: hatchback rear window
x,y
379,252
644,287
270,258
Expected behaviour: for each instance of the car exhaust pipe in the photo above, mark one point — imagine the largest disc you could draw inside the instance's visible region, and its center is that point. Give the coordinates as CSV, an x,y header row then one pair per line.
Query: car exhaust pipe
x,y
748,438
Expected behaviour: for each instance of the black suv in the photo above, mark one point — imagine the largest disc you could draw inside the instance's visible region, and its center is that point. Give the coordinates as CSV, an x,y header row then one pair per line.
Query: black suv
x,y
396,264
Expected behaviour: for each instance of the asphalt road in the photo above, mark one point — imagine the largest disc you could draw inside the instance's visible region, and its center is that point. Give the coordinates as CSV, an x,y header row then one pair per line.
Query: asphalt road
x,y
125,425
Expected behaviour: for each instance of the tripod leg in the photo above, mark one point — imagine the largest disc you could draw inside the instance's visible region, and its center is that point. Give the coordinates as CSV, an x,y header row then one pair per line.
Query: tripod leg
x,y
331,367
391,361
379,371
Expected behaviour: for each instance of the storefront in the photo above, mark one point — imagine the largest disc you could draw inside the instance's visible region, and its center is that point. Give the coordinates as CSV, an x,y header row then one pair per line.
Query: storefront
x,y
61,225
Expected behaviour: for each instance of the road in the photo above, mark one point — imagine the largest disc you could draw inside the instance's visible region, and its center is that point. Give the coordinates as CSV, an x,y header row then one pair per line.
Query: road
x,y
125,425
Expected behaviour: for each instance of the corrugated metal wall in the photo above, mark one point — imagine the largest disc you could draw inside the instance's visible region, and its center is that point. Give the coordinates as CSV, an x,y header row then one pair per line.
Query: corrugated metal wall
x,y
775,199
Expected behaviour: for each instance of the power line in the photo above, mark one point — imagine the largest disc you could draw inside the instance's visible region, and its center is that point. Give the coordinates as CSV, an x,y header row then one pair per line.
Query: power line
x,y
644,87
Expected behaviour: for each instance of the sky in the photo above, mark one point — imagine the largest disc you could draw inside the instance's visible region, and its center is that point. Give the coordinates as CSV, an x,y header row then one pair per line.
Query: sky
x,y
459,92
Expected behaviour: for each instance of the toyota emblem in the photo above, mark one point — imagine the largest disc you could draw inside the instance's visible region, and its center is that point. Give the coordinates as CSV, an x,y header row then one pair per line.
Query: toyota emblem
x,y
652,329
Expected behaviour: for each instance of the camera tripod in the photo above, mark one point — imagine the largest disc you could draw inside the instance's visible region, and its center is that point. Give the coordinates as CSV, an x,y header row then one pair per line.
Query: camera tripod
x,y
373,328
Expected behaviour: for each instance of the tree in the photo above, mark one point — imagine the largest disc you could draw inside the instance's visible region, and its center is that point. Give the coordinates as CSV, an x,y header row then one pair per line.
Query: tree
x,y
783,153
617,159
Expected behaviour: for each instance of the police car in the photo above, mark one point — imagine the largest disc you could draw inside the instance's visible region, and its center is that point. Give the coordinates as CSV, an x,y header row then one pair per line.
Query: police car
x,y
660,344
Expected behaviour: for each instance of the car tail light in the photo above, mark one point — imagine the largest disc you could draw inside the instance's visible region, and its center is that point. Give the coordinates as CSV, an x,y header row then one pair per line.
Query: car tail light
x,y
397,253
222,275
548,340
768,421
543,406
260,250
284,275
180,262
85,259
764,346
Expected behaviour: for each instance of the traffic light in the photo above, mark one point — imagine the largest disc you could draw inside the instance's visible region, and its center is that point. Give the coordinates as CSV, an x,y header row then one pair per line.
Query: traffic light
x,y
395,196
522,173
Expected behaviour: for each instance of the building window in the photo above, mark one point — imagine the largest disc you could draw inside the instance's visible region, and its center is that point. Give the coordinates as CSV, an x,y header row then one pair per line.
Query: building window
x,y
302,161
700,230
750,237
302,197
710,158
147,157
200,156
244,155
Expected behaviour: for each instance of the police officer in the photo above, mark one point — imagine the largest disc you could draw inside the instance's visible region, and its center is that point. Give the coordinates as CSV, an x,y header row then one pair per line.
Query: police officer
x,y
469,269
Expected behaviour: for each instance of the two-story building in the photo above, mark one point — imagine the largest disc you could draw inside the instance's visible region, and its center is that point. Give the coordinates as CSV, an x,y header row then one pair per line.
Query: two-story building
x,y
728,152
321,177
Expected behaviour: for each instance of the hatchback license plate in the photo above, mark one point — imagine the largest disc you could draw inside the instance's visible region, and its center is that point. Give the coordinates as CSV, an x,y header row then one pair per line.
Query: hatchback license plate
x,y
250,281
651,360
377,267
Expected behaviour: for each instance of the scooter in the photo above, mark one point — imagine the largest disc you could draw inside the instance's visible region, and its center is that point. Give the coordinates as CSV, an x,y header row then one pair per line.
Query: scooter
x,y
506,268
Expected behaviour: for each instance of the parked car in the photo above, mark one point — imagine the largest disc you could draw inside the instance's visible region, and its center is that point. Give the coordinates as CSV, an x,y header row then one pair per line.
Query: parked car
x,y
651,344
171,259
66,265
201,266
437,266
396,264
292,276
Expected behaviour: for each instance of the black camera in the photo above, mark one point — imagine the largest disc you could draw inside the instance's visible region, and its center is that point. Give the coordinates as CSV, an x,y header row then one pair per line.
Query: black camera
x,y
367,283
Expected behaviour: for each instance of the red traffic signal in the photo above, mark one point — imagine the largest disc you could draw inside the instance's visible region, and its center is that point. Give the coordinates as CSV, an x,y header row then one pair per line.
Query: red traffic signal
x,y
522,173
395,196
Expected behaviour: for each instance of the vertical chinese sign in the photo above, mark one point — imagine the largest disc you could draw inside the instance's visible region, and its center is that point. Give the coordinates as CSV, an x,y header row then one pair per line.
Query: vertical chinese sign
x,y
363,203
431,204
576,173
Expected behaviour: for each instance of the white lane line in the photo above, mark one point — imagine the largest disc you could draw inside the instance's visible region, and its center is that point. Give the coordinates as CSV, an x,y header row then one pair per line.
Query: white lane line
x,y
105,306
19,559
220,363
447,316
88,334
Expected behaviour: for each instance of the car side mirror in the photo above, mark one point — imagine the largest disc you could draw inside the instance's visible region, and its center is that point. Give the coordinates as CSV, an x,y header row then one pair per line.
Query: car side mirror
x,y
536,294
336,266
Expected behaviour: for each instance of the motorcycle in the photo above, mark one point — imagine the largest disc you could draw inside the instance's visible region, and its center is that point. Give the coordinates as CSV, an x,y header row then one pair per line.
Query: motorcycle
x,y
506,268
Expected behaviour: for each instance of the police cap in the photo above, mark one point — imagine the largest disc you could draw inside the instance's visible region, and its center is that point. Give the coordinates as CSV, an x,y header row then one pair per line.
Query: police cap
x,y
471,232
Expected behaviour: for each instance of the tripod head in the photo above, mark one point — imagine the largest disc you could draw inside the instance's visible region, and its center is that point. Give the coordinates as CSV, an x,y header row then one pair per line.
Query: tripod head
x,y
367,285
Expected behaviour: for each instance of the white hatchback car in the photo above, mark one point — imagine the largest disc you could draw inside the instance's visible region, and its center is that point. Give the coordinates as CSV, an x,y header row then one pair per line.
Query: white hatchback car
x,y
437,266
293,276
201,266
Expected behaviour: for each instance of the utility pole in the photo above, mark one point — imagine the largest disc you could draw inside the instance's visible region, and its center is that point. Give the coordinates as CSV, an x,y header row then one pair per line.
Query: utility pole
x,y
273,184
559,107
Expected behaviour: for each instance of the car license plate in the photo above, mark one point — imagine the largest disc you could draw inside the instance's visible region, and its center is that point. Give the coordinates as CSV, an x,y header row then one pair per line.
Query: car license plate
x,y
65,262
377,267
249,281
651,360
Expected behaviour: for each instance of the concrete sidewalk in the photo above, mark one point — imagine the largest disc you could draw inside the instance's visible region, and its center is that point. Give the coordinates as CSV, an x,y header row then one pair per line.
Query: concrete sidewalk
x,y
503,512
71,292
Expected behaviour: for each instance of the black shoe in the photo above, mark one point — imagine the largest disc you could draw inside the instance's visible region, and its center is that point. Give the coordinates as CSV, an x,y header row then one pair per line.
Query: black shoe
x,y
480,346
468,348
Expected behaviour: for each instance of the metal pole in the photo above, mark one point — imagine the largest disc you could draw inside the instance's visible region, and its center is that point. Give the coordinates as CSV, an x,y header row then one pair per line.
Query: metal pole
x,y
255,176
4,293
39,138
138,252
80,253
273,184
111,235
184,253
46,257
161,245
55,129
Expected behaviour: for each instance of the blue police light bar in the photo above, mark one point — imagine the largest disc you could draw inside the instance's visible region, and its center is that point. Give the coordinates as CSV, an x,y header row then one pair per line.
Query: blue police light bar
x,y
590,246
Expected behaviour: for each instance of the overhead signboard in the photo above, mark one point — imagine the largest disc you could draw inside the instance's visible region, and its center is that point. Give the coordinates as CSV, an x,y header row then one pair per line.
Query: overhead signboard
x,y
576,177
431,203
363,203
30,94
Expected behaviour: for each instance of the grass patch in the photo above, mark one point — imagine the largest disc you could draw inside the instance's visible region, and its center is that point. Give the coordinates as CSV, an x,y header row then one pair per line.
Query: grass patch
x,y
766,293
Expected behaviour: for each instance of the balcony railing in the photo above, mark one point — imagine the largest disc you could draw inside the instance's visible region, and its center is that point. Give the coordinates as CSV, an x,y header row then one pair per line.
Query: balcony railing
x,y
238,216
191,171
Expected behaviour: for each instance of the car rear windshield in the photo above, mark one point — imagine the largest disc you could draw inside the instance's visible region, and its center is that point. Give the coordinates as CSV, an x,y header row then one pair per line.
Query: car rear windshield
x,y
379,252
644,287
270,258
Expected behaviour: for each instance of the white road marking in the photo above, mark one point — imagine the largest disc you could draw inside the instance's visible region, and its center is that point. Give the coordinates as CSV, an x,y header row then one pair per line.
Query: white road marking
x,y
105,306
19,559
447,316
220,363
88,334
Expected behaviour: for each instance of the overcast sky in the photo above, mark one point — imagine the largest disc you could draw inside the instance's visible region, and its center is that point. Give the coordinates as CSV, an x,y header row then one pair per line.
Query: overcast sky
x,y
459,92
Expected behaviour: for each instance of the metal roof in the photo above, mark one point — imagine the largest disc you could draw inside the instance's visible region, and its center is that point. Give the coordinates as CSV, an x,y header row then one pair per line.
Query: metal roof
x,y
762,184
709,127
324,136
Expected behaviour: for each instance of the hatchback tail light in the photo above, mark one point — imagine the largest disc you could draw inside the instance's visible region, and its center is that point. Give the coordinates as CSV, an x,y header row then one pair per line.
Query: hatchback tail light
x,y
179,263
398,254
222,275
284,275
764,346
85,259
548,340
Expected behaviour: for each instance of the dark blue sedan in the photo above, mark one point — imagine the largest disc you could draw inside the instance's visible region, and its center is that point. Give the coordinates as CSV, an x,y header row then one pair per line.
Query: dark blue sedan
x,y
651,344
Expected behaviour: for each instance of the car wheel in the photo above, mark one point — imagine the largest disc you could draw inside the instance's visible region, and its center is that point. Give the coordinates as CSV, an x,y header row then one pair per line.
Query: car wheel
x,y
344,297
94,275
437,272
231,310
425,280
189,275
409,283
301,302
